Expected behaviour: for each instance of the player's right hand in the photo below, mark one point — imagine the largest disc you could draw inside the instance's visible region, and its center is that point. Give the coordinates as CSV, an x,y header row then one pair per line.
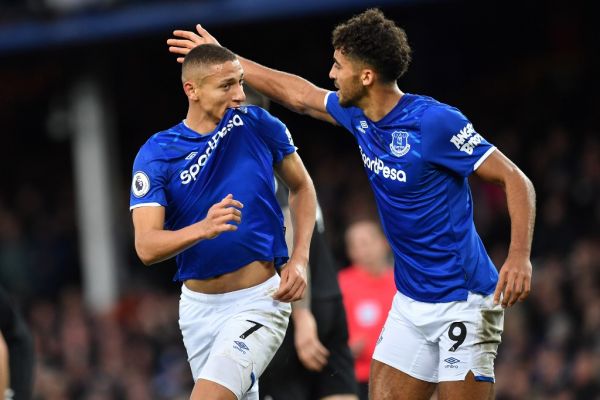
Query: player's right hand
x,y
221,217
185,41
514,281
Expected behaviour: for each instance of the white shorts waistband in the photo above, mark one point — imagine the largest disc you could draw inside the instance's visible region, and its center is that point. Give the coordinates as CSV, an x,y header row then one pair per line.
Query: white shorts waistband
x,y
268,287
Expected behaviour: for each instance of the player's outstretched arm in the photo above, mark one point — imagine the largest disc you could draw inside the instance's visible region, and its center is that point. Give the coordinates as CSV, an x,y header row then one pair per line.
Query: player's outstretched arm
x,y
514,282
154,244
303,210
289,90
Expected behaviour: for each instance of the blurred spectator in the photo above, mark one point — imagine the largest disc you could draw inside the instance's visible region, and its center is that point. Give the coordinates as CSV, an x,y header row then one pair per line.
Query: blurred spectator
x,y
368,289
585,374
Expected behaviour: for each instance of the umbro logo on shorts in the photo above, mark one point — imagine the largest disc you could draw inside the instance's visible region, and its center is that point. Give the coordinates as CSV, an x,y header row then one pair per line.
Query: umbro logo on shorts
x,y
241,346
452,360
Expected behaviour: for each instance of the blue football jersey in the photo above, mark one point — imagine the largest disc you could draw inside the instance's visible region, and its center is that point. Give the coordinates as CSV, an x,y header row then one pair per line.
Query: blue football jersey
x,y
417,159
187,173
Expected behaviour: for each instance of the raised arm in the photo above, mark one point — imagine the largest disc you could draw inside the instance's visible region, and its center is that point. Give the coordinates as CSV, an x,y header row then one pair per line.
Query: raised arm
x,y
514,282
289,90
154,244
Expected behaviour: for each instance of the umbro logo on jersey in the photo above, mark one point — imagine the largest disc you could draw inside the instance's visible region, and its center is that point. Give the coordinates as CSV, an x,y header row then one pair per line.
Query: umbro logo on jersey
x,y
191,155
363,126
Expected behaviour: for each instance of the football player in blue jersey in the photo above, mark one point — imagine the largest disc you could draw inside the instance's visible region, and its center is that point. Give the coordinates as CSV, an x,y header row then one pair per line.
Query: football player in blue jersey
x,y
444,327
190,183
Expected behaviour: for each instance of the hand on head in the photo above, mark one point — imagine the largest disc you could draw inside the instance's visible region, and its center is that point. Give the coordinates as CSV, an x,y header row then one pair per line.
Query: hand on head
x,y
185,41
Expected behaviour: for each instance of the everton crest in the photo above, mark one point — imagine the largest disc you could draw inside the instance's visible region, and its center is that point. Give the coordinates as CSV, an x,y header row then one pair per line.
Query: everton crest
x,y
399,145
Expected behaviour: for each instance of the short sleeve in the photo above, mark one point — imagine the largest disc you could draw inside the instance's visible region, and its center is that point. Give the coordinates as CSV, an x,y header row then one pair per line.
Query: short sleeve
x,y
275,134
450,140
342,115
149,180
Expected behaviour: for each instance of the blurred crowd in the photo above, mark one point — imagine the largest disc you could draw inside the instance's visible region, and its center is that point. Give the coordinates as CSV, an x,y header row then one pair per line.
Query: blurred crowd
x,y
133,352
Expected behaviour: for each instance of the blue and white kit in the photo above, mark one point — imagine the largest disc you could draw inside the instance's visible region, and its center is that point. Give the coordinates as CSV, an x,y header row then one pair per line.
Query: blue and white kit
x,y
443,323
231,337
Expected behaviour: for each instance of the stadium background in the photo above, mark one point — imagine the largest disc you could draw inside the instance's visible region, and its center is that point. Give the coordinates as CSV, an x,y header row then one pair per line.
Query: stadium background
x,y
524,72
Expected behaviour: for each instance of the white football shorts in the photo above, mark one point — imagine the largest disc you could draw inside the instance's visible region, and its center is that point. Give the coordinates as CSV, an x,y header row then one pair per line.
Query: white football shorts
x,y
230,338
439,342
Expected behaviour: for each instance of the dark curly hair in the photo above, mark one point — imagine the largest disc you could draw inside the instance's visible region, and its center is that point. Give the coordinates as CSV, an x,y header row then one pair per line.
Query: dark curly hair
x,y
375,40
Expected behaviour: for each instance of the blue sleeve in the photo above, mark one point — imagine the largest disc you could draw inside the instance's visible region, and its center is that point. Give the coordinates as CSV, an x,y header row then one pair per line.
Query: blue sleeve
x,y
449,140
342,115
274,133
149,179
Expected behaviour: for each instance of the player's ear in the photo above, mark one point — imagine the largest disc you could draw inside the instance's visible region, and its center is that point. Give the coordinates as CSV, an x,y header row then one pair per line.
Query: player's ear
x,y
367,77
190,90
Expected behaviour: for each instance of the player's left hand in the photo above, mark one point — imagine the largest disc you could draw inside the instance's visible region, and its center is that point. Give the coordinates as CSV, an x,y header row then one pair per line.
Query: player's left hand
x,y
185,41
514,281
311,352
293,282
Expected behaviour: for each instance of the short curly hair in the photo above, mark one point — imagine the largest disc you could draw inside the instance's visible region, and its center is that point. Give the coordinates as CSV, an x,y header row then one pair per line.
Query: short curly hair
x,y
208,54
375,40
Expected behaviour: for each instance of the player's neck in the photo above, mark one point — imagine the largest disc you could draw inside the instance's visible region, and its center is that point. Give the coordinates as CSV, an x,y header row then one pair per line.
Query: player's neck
x,y
201,123
380,100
